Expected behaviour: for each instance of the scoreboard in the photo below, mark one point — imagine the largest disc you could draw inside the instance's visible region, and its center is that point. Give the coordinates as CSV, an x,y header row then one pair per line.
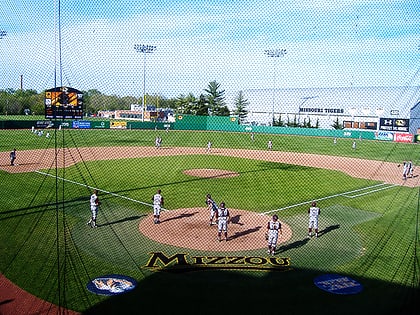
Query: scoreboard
x,y
63,102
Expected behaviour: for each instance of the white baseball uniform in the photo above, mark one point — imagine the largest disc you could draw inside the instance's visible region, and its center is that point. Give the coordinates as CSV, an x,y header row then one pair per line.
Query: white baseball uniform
x,y
410,169
94,205
313,217
405,167
157,204
273,232
223,216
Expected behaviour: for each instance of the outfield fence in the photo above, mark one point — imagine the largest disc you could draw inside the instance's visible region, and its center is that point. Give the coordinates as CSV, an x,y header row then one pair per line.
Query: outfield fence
x,y
188,122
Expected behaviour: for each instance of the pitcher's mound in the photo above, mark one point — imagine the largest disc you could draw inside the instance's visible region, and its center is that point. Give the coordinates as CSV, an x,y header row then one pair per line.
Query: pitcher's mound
x,y
190,228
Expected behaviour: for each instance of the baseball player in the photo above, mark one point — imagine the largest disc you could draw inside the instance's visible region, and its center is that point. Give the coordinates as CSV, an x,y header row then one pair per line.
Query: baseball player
x,y
157,206
223,217
410,169
94,205
405,170
12,157
273,232
314,213
158,142
212,206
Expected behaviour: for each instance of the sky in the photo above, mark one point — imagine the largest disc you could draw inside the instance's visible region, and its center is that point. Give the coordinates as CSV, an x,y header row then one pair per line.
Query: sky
x,y
89,44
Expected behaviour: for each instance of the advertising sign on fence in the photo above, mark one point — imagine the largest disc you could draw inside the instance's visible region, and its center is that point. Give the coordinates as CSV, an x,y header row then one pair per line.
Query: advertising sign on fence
x,y
81,124
394,124
403,137
384,135
99,124
118,124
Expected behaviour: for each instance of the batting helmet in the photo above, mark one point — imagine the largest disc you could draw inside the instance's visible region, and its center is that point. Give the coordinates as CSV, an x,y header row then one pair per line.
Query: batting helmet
x,y
313,204
275,217
222,205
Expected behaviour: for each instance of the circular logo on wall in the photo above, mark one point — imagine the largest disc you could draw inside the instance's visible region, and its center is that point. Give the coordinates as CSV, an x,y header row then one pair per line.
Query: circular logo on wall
x,y
338,284
111,285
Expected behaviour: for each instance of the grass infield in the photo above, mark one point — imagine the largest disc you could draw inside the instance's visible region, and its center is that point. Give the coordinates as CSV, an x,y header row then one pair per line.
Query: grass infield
x,y
48,250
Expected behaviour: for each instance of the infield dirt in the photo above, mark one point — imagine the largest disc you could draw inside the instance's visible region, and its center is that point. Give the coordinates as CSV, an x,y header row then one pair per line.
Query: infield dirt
x,y
192,229
33,160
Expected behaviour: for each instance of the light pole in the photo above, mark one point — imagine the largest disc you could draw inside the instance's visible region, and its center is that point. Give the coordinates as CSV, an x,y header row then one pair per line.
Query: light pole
x,y
275,53
304,100
144,49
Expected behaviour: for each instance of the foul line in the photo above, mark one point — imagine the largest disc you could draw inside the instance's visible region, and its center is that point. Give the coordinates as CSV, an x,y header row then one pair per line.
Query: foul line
x,y
345,194
370,191
101,190
333,196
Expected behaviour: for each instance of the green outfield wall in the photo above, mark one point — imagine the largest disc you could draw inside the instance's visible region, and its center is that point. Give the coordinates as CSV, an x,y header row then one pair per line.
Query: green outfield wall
x,y
189,122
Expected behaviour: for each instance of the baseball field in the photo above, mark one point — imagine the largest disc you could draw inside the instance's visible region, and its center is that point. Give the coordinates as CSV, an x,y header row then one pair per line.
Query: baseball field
x,y
368,227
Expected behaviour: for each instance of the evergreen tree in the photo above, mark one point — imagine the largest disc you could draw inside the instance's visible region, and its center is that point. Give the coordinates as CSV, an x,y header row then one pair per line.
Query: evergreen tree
x,y
216,100
336,125
241,105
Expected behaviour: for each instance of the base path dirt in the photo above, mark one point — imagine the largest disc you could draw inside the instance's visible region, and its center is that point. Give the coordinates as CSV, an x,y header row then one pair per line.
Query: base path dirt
x,y
14,300
246,230
33,160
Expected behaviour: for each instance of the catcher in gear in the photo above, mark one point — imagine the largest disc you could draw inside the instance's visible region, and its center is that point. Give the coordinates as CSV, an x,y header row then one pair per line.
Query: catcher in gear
x,y
273,232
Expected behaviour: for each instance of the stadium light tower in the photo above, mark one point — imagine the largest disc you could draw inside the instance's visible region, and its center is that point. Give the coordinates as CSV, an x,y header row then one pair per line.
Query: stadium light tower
x,y
144,49
275,53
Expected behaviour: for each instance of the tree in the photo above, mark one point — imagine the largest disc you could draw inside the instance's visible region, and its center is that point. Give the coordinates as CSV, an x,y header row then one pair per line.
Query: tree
x,y
216,100
279,122
202,106
191,104
336,125
89,100
17,102
180,104
293,123
167,102
308,124
241,105
186,104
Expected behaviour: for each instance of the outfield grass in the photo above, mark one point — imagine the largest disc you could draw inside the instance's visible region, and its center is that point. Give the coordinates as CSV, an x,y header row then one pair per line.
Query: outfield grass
x,y
366,149
373,237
